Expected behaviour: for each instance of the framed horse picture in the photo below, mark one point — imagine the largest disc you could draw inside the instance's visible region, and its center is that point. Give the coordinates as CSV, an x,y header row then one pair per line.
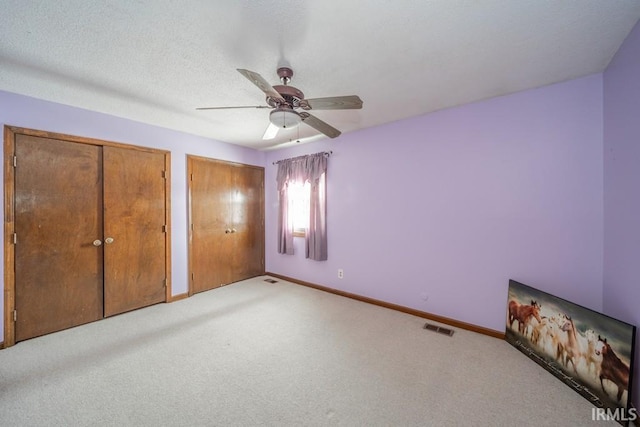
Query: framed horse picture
x,y
590,352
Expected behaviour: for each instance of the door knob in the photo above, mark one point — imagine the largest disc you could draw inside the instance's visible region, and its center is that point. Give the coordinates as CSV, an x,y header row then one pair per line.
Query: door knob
x,y
108,240
227,231
97,242
233,230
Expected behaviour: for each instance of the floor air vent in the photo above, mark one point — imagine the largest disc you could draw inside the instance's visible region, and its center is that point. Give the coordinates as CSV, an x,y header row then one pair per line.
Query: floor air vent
x,y
270,280
438,329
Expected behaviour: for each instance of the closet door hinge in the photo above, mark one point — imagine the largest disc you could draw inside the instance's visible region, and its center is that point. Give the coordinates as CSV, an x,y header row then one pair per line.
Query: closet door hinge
x,y
164,174
164,228
15,161
164,282
15,238
15,315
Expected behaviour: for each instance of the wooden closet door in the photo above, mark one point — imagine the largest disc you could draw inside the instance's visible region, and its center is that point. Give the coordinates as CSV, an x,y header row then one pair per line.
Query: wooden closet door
x,y
210,210
58,216
134,235
248,223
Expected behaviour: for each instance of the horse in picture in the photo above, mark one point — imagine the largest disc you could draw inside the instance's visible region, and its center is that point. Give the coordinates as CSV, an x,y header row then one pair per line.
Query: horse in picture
x,y
612,368
591,358
568,347
523,314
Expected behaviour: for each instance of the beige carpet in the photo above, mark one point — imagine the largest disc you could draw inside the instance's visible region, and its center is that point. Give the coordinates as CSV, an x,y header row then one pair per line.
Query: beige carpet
x,y
261,354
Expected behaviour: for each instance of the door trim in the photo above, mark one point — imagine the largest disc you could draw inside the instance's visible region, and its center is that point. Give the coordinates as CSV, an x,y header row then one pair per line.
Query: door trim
x,y
10,133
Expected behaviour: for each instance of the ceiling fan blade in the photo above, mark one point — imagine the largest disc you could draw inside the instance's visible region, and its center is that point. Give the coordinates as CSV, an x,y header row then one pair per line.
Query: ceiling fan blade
x,y
351,102
259,81
271,132
229,108
319,125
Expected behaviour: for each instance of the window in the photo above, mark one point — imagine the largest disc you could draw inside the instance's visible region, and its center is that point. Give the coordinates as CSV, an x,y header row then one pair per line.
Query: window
x,y
308,204
299,204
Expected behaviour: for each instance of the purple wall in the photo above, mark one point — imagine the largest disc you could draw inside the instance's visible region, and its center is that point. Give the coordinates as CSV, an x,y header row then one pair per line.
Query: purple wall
x,y
450,205
22,111
621,291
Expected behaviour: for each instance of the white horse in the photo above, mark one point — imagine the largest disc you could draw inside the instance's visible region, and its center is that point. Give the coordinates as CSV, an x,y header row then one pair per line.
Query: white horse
x,y
591,357
565,342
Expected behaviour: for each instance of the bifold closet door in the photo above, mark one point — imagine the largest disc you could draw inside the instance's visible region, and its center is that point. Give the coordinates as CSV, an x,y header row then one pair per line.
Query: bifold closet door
x,y
58,217
211,237
134,229
248,223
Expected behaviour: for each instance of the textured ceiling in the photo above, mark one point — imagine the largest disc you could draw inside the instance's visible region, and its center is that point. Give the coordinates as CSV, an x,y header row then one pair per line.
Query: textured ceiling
x,y
155,61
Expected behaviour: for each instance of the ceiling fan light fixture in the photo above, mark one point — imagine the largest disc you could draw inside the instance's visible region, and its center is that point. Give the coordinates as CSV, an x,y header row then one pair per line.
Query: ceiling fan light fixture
x,y
285,118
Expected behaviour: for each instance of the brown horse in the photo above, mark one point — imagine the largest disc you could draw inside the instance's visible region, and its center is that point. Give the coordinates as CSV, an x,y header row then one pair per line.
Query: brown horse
x,y
612,368
523,313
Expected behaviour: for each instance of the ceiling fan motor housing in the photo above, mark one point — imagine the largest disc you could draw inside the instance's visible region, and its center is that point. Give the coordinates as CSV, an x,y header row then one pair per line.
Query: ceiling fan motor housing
x,y
292,95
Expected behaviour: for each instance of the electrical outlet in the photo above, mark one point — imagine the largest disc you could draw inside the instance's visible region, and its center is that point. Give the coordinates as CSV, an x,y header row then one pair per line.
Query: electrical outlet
x,y
340,273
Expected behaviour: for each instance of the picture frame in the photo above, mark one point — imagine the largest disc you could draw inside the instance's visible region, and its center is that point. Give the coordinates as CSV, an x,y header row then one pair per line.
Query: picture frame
x,y
590,352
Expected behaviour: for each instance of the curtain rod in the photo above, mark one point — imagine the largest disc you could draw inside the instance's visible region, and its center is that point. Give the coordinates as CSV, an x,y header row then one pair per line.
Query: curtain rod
x,y
326,153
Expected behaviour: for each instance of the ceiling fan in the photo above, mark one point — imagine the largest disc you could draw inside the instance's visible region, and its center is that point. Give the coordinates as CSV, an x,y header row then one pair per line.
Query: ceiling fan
x,y
286,101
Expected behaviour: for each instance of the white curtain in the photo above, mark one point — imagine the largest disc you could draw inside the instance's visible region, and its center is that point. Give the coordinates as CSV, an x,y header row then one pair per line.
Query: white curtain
x,y
312,168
